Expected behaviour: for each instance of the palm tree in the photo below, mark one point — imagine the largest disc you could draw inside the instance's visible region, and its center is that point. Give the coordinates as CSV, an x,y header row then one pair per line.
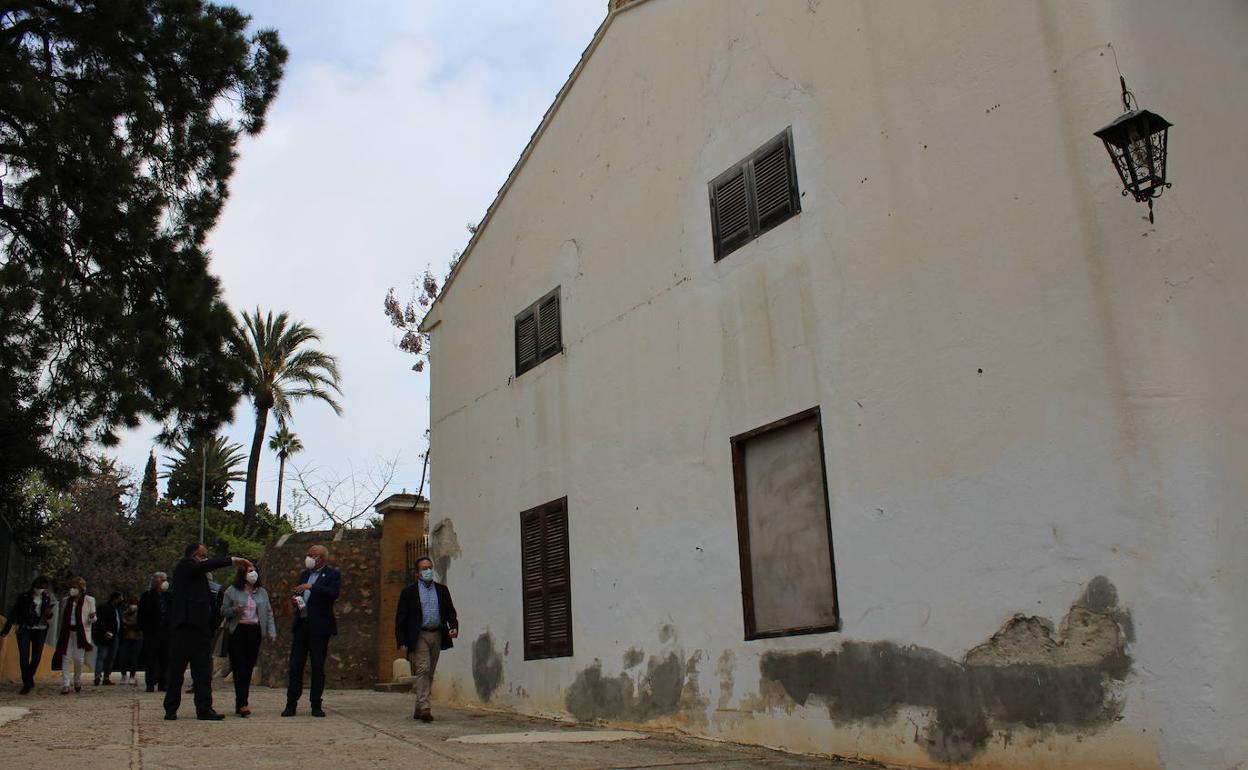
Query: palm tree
x,y
211,462
285,444
280,371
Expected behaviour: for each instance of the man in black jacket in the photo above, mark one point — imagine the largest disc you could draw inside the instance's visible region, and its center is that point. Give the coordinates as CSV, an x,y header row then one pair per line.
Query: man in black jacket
x,y
424,625
153,617
190,629
107,635
31,613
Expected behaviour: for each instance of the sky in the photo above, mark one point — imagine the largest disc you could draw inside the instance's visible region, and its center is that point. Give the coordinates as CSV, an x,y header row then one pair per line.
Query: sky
x,y
396,123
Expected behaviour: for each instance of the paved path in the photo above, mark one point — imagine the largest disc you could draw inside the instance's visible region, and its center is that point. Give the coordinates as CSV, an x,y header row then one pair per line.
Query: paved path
x,y
122,727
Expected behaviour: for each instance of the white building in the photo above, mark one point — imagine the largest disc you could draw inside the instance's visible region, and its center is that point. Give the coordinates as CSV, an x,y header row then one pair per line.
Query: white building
x,y
1005,524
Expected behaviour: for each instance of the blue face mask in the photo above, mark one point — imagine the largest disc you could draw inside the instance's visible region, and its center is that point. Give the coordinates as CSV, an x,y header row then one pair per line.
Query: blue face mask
x,y
426,575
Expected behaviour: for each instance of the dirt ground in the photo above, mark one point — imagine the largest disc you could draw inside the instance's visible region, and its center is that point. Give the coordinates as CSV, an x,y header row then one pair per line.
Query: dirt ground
x,y
123,727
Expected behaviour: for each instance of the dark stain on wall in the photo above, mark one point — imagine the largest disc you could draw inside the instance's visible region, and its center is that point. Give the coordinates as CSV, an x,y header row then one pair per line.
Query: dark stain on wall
x,y
594,696
443,548
487,666
633,658
1026,674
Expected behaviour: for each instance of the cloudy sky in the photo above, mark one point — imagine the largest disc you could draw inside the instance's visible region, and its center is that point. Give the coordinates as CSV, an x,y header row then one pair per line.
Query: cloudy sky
x,y
396,124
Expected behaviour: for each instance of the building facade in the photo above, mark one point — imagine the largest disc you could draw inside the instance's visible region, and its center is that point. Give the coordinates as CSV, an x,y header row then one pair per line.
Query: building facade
x,y
811,384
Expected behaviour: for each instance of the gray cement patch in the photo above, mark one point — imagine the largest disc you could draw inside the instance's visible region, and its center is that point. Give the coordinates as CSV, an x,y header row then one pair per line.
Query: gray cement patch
x,y
12,714
592,736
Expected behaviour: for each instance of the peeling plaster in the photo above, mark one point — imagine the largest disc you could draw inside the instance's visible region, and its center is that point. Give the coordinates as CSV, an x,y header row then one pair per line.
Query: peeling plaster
x,y
1024,675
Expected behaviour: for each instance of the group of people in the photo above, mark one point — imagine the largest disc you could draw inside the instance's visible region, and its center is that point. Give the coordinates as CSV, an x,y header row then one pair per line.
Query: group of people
x,y
110,633
173,628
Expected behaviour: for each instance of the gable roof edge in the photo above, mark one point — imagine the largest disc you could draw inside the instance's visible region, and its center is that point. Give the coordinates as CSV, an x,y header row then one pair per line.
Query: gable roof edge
x,y
428,322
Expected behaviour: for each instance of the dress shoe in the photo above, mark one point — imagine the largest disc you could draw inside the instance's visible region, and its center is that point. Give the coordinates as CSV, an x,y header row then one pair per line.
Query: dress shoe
x,y
243,712
210,716
289,711
317,711
426,716
77,688
25,689
107,682
170,716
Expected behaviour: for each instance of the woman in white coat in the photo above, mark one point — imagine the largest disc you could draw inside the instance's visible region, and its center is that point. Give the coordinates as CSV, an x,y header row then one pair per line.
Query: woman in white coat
x,y
73,641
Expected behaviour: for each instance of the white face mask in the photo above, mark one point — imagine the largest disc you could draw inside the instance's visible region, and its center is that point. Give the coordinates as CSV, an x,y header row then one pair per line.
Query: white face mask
x,y
164,586
310,562
134,608
73,592
252,577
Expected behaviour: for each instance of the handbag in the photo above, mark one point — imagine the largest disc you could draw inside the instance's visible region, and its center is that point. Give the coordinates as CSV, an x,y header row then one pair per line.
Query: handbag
x,y
222,642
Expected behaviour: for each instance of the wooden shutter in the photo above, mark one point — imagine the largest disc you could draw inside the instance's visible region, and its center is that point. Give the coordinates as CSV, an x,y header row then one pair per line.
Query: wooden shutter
x,y
533,579
546,582
549,339
526,341
556,578
755,195
730,212
775,184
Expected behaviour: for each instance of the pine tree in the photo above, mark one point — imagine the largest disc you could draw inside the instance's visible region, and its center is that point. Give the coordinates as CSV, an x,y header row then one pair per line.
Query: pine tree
x,y
118,129
149,493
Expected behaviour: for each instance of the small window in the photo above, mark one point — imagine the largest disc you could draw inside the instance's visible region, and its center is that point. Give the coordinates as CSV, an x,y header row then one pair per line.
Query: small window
x,y
538,332
788,581
546,581
754,195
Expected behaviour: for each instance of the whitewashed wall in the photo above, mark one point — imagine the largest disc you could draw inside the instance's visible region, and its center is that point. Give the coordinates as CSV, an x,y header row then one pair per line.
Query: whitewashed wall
x,y
1024,385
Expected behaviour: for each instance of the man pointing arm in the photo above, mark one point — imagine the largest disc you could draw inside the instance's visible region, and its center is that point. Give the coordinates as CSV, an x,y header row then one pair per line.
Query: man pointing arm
x,y
190,623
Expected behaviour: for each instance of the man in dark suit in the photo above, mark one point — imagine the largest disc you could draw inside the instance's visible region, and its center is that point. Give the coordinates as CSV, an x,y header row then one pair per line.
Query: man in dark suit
x,y
424,625
190,629
313,603
153,620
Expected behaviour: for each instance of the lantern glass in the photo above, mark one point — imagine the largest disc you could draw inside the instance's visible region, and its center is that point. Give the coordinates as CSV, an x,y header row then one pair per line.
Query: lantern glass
x,y
1136,143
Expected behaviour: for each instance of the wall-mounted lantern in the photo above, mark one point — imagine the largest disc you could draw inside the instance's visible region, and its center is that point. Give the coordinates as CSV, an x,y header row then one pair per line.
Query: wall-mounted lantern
x,y
1136,142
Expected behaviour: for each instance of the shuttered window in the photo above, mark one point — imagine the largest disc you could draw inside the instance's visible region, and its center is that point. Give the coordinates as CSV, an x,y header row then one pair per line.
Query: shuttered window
x,y
539,333
546,581
754,195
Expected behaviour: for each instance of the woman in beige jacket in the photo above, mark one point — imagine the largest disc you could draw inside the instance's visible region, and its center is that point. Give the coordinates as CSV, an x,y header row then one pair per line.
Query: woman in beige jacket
x,y
73,641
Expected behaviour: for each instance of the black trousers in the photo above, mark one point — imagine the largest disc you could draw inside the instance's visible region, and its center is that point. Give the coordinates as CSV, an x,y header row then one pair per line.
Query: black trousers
x,y
305,644
127,661
30,652
155,657
188,644
244,649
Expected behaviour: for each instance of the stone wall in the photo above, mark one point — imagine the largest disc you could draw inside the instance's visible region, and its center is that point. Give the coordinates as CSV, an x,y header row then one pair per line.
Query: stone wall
x,y
352,659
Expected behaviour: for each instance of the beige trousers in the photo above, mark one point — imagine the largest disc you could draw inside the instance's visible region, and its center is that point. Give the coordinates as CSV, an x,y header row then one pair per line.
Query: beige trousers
x,y
74,656
428,645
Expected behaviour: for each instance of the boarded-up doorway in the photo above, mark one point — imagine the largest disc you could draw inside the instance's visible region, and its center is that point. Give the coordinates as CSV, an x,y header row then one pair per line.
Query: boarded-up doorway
x,y
788,577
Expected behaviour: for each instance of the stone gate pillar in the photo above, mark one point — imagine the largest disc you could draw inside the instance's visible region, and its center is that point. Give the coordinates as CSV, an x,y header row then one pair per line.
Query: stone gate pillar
x,y
402,541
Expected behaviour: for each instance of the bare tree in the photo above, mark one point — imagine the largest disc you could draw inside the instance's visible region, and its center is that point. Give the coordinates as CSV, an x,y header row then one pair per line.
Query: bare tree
x,y
345,498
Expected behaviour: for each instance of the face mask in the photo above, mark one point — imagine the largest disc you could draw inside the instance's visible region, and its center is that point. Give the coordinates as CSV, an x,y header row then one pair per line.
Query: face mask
x,y
164,586
134,608
73,592
426,575
252,577
310,562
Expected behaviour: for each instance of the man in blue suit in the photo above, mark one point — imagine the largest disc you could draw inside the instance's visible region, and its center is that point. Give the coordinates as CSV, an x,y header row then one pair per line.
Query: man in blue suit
x,y
313,603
